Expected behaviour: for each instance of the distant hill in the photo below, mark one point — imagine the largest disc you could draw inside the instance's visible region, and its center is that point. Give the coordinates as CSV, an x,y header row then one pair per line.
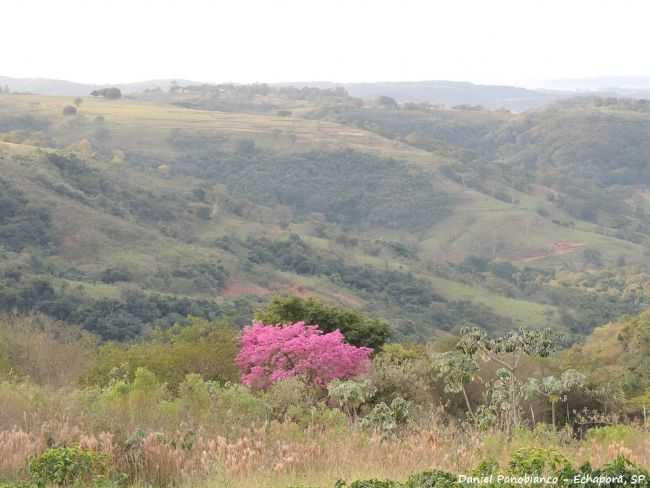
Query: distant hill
x,y
45,86
438,92
602,83
449,93
617,86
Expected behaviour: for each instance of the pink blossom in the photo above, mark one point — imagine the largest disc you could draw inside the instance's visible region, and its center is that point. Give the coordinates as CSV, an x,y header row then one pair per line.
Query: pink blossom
x,y
270,353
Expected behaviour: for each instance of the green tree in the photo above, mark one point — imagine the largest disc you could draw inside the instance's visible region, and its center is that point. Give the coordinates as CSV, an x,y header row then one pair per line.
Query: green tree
x,y
358,329
69,110
455,369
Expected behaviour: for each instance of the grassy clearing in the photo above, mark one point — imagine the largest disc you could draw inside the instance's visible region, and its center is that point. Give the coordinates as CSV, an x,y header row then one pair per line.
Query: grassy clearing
x,y
524,313
144,126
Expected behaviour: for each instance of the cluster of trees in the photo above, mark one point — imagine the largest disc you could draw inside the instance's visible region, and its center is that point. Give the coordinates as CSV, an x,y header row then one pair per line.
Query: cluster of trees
x,y
111,319
84,182
358,329
252,98
423,308
201,277
584,154
616,356
197,346
295,255
22,223
167,410
349,188
505,382
111,93
584,304
209,376
463,137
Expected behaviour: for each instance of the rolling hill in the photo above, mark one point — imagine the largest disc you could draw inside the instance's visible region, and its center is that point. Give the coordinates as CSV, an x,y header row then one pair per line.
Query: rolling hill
x,y
208,201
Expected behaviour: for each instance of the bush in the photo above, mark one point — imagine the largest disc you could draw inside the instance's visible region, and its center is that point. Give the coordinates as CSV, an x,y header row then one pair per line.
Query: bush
x,y
66,466
238,404
351,395
431,479
289,393
536,461
387,420
202,347
69,110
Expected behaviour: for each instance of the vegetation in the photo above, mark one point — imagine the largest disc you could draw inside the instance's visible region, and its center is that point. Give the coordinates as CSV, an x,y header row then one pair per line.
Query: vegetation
x,y
110,93
441,291
171,411
387,210
358,329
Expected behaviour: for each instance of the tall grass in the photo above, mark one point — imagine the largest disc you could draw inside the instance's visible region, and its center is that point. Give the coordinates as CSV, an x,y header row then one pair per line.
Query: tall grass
x,y
223,436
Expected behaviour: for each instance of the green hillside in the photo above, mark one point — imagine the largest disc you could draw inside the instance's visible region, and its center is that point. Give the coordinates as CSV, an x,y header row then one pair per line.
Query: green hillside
x,y
208,201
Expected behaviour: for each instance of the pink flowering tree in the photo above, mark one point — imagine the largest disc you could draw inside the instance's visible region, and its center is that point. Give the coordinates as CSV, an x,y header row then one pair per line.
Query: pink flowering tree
x,y
272,353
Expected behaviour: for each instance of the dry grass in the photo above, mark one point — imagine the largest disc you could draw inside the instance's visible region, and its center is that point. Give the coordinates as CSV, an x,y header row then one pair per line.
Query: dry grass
x,y
282,454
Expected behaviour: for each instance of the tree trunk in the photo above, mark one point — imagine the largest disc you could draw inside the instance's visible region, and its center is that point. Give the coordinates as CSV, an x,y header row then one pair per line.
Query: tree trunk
x,y
469,406
553,414
532,414
513,402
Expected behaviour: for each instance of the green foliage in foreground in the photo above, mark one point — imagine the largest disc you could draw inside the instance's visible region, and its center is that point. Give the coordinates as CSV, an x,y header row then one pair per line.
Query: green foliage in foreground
x,y
67,466
534,467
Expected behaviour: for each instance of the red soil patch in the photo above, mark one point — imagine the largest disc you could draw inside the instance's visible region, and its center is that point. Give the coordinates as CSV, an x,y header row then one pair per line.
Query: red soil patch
x,y
240,288
557,249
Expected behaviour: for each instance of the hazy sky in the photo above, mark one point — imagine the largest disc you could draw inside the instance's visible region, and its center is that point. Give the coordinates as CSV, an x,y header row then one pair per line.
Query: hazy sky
x,y
494,41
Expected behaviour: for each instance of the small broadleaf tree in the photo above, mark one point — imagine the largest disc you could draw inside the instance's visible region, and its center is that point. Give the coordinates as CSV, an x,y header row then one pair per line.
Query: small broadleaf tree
x,y
556,388
506,352
456,370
